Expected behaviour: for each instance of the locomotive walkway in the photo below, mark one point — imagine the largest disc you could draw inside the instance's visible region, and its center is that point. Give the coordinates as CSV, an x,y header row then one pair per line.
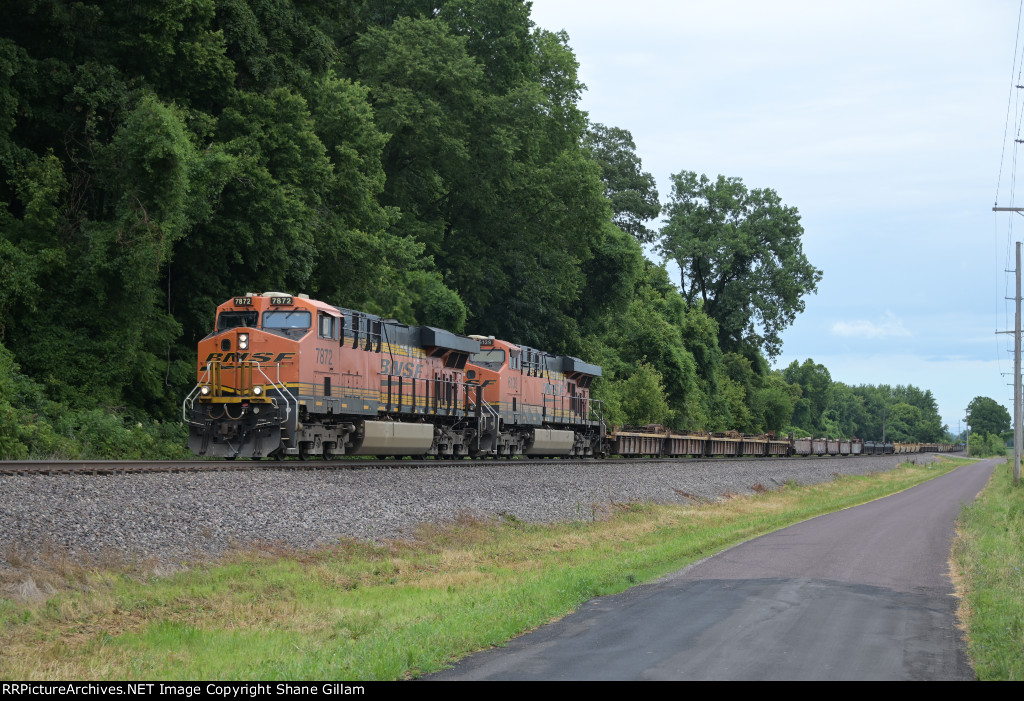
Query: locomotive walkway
x,y
860,594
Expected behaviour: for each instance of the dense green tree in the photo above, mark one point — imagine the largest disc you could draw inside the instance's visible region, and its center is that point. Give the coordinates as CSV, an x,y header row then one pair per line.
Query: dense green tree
x,y
988,416
845,416
424,87
484,162
902,420
631,191
168,155
773,404
739,383
815,385
985,445
643,399
740,255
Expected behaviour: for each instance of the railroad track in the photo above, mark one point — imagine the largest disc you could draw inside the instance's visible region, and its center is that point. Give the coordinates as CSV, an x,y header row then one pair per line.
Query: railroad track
x,y
123,467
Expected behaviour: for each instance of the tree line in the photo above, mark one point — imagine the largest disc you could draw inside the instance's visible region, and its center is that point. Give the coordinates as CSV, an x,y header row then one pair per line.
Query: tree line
x,y
425,160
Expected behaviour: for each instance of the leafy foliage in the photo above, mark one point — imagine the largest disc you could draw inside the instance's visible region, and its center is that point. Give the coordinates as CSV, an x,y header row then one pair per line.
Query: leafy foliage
x,y
822,407
988,416
985,445
631,191
740,255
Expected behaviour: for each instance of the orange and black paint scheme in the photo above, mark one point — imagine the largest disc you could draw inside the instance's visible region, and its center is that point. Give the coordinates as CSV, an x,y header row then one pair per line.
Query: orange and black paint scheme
x,y
542,400
284,375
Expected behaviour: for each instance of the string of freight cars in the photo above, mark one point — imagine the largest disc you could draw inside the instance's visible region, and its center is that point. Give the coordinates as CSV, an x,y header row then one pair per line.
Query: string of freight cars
x,y
285,375
657,441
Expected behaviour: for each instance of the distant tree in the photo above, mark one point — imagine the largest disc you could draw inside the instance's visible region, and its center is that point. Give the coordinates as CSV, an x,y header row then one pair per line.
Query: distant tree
x,y
988,416
631,191
774,403
815,385
846,411
903,418
985,445
643,397
740,254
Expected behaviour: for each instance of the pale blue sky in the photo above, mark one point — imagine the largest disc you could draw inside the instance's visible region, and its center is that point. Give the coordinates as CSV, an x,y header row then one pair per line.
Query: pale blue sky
x,y
882,122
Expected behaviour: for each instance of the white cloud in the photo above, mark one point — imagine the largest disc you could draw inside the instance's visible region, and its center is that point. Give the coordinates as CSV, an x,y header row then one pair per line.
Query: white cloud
x,y
889,327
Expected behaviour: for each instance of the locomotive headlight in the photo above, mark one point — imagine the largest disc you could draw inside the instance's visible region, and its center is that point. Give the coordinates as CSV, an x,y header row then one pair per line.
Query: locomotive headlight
x,y
257,390
205,390
243,341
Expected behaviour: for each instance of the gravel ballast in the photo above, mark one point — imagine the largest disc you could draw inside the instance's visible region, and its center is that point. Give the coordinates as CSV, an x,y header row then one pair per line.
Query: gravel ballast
x,y
176,517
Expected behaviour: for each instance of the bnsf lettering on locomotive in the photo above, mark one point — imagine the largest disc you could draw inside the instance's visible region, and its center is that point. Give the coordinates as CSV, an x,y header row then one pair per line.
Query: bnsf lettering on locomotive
x,y
257,357
401,368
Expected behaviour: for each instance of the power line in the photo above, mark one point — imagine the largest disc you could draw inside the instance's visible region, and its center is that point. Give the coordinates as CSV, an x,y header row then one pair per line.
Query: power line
x,y
1009,101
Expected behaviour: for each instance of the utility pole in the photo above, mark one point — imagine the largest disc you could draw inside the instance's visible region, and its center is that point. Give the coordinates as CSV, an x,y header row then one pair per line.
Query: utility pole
x,y
1016,361
967,427
1016,379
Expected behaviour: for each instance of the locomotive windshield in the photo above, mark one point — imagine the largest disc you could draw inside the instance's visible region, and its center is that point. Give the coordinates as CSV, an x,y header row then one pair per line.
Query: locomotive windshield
x,y
290,319
493,359
232,320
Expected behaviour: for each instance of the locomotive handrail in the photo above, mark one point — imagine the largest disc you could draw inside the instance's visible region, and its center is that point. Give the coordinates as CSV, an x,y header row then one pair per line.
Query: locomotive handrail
x,y
191,398
480,402
480,405
282,389
402,394
579,412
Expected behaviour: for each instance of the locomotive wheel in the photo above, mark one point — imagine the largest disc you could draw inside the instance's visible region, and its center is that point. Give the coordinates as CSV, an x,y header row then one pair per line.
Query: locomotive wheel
x,y
329,448
304,448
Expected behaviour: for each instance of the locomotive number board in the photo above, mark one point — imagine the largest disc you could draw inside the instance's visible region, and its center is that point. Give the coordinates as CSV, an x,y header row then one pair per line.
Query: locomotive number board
x,y
279,301
243,301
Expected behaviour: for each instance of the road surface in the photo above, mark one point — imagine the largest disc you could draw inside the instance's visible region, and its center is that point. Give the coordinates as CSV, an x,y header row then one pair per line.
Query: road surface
x,y
860,594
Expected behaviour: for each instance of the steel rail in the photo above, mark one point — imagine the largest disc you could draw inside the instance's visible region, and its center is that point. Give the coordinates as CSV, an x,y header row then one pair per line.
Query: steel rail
x,y
122,467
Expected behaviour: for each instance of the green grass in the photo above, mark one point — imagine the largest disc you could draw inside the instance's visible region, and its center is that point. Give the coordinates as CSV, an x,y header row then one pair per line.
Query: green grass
x,y
988,559
363,611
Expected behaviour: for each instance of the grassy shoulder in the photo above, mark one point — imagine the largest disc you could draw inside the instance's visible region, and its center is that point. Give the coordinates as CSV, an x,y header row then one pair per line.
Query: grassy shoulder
x,y
988,559
391,611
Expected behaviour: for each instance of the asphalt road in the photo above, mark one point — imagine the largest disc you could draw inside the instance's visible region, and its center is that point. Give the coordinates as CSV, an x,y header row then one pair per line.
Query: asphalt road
x,y
860,594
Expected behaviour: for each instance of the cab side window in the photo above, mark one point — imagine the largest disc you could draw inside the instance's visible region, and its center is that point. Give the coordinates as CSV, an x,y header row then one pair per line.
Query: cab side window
x,y
327,326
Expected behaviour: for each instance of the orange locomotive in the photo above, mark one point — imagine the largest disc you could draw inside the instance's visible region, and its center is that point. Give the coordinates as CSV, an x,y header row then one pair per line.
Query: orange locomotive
x,y
542,400
287,375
